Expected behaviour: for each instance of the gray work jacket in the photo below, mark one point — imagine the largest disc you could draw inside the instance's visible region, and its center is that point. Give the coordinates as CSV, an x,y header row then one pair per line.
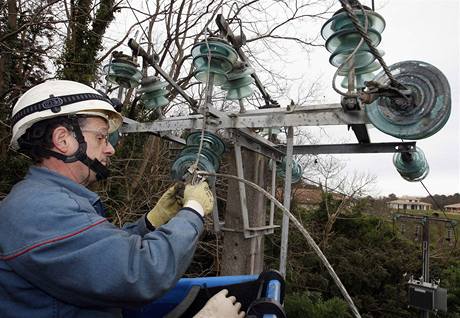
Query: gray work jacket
x,y
59,257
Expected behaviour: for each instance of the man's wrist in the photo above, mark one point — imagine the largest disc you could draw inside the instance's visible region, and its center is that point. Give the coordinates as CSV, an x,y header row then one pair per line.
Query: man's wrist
x,y
195,205
149,225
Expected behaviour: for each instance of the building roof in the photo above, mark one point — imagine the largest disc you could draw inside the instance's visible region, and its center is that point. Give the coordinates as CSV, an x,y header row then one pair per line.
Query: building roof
x,y
312,196
401,201
308,196
409,197
455,205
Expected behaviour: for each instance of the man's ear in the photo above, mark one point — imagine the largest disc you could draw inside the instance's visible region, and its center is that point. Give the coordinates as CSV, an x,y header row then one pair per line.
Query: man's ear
x,y
62,139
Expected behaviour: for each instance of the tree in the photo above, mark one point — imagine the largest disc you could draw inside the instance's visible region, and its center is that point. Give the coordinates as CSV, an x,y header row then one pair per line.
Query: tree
x,y
26,48
88,23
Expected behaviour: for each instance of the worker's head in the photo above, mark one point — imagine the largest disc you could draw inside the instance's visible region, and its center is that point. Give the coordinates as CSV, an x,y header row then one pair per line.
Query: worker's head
x,y
68,121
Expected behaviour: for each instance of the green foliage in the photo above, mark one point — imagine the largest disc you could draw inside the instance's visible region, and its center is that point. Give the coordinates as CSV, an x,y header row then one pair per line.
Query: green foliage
x,y
84,41
365,253
26,38
305,304
450,279
14,170
442,200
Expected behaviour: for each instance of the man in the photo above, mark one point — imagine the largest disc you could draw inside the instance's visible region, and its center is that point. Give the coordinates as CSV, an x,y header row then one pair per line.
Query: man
x,y
59,257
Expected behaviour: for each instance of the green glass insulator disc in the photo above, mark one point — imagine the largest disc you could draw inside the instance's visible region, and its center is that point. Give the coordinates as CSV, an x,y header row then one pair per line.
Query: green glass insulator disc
x,y
239,93
238,84
361,59
151,84
296,172
341,21
428,110
124,74
375,66
153,102
210,141
245,72
412,167
239,88
362,75
360,79
214,56
215,47
208,153
218,79
179,169
218,66
153,92
349,39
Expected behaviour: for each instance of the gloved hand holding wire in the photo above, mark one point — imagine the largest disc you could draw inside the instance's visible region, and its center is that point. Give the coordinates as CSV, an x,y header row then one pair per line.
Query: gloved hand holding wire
x,y
199,197
166,208
221,306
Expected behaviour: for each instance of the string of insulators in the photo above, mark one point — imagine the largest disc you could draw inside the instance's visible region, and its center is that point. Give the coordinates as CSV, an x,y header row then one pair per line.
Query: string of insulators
x,y
123,71
342,38
238,84
213,56
209,157
412,166
153,92
296,172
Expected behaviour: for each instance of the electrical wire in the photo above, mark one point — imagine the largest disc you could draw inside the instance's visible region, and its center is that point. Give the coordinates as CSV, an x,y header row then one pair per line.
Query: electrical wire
x,y
302,230
204,110
363,32
444,212
351,56
132,10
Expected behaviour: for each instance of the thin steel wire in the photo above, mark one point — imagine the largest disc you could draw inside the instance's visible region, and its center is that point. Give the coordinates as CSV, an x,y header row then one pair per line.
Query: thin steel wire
x,y
349,58
444,212
302,230
363,32
205,109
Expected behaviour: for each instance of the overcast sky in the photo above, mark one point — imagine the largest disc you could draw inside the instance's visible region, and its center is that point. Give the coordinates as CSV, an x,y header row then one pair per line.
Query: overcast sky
x,y
423,30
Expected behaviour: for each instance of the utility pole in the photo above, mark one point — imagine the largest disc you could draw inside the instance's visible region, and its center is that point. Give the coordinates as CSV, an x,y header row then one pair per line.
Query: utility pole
x,y
244,255
424,286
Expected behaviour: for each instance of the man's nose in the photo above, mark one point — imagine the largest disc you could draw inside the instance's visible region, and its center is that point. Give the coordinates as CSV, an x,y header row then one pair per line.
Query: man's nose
x,y
109,149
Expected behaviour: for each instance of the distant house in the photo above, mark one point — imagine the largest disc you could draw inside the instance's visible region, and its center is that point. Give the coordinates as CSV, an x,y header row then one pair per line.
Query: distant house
x,y
310,197
408,203
453,207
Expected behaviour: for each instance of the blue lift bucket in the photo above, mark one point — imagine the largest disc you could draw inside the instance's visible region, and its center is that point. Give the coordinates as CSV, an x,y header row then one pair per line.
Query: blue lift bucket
x,y
260,296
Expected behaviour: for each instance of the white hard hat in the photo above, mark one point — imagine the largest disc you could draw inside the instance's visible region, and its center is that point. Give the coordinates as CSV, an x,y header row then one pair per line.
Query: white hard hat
x,y
58,98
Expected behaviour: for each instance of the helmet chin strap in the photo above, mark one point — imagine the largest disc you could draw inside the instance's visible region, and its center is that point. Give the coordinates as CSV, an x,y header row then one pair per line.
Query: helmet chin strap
x,y
80,155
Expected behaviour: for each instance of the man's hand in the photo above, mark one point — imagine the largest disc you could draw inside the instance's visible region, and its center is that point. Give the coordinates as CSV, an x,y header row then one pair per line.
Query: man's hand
x,y
165,209
201,194
221,306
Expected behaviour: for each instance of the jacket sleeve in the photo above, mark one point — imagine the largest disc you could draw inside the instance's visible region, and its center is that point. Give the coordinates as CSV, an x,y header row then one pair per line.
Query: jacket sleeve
x,y
99,264
139,227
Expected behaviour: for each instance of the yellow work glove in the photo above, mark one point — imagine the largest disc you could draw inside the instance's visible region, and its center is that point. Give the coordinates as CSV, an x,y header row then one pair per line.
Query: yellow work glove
x,y
201,194
221,306
165,209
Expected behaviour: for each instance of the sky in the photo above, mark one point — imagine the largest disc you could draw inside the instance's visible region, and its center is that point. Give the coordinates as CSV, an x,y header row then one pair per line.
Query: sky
x,y
421,30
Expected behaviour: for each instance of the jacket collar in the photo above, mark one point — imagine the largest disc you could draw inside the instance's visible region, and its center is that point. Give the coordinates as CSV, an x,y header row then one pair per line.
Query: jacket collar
x,y
46,176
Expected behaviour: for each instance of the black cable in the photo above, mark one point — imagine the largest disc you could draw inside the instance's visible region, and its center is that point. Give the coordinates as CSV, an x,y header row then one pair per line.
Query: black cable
x,y
432,198
132,10
363,32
